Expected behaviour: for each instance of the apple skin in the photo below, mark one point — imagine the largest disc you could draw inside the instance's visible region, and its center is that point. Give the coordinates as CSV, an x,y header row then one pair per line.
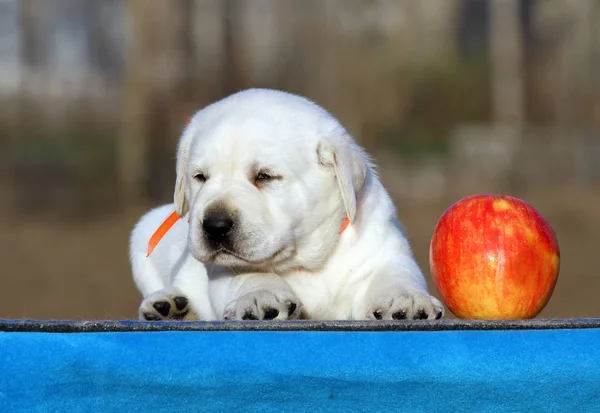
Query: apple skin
x,y
494,257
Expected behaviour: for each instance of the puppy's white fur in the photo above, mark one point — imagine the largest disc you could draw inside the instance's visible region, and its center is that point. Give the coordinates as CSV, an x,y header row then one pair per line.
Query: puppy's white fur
x,y
287,254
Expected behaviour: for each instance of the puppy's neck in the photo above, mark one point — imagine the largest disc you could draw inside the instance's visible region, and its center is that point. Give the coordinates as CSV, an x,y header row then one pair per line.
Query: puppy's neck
x,y
376,224
375,213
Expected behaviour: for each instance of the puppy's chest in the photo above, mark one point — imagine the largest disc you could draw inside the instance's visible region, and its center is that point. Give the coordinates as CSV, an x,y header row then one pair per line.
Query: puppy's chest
x,y
325,296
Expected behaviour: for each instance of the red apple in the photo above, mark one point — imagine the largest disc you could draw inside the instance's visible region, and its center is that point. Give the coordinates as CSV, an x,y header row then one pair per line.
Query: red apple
x,y
494,257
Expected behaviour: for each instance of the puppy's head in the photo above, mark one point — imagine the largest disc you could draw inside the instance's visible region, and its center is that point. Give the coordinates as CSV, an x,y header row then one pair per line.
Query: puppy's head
x,y
267,178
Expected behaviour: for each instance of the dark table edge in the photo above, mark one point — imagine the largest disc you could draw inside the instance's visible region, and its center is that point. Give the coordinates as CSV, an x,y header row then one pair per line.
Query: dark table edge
x,y
90,326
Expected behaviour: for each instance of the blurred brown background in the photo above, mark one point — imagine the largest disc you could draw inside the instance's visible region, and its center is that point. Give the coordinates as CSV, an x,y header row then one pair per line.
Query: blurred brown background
x,y
452,97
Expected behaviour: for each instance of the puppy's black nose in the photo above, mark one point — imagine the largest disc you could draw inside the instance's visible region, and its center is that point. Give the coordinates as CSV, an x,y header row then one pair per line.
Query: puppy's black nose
x,y
217,225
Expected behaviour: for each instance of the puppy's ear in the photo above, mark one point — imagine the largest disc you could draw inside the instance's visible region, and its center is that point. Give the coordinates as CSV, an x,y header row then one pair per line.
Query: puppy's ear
x,y
183,154
349,164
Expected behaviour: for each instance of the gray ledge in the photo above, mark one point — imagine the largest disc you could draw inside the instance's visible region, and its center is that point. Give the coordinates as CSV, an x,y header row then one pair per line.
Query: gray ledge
x,y
90,326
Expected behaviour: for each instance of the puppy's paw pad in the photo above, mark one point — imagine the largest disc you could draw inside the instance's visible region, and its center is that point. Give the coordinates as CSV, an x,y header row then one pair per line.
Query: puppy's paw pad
x,y
271,313
166,304
292,307
163,308
181,303
406,305
399,315
264,305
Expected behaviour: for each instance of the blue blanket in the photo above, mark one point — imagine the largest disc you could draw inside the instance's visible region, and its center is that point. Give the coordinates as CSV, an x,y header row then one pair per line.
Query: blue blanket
x,y
448,370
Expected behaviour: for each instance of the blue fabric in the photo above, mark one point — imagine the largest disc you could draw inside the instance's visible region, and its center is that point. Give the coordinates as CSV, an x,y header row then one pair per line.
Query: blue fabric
x,y
446,371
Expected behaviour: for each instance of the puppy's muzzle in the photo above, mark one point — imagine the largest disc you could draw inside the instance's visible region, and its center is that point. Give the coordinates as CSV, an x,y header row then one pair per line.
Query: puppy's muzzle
x,y
217,227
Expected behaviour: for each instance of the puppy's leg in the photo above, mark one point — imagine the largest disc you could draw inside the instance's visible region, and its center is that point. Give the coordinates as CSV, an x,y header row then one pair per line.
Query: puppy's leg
x,y
186,299
398,291
161,301
257,297
145,275
146,271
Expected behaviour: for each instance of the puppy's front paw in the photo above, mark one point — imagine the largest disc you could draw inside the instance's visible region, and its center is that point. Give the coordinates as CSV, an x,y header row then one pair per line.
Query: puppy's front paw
x,y
406,305
264,305
167,304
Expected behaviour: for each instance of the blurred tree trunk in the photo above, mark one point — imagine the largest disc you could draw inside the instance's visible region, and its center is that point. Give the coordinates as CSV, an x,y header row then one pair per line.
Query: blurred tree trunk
x,y
133,144
171,91
595,61
33,56
435,27
231,76
506,58
508,100
156,89
32,50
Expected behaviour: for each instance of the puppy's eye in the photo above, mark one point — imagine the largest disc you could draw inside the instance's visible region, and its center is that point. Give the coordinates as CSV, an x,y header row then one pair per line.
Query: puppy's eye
x,y
263,176
199,177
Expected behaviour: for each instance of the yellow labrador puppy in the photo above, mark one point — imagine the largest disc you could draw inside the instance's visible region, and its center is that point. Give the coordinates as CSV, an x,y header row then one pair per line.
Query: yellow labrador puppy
x,y
282,217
